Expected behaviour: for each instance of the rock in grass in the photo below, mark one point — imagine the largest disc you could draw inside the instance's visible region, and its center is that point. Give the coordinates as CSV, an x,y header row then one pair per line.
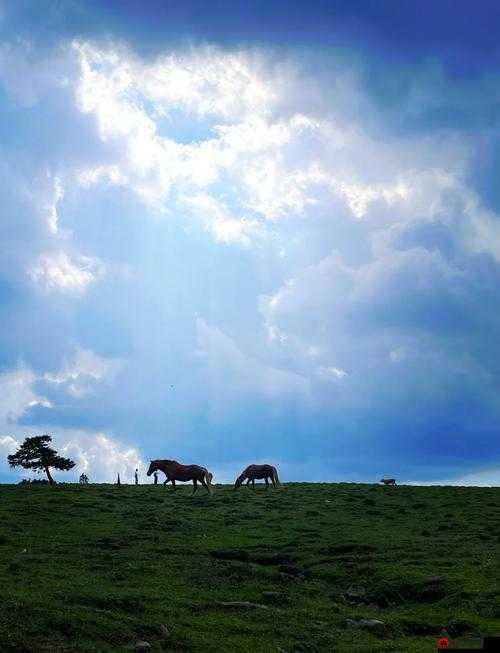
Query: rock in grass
x,y
241,604
373,625
142,646
355,593
164,630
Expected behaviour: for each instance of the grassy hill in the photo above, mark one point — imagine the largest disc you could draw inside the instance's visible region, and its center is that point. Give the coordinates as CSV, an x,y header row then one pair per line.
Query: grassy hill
x,y
100,568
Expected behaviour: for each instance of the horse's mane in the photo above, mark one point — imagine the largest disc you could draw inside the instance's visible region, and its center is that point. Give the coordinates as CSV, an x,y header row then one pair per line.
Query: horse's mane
x,y
164,460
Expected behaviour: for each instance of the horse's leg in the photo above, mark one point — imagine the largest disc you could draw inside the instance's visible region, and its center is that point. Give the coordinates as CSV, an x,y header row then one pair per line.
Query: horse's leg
x,y
195,485
272,480
267,483
204,483
253,484
173,483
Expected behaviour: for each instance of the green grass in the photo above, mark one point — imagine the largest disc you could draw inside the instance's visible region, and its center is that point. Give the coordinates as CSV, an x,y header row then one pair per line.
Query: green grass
x,y
98,568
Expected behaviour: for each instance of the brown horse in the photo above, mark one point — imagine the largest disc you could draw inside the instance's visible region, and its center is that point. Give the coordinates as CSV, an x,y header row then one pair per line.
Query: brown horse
x,y
388,481
174,471
258,471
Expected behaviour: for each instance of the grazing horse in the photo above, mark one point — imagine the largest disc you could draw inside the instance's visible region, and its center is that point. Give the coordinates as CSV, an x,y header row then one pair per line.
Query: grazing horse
x,y
174,471
388,481
258,471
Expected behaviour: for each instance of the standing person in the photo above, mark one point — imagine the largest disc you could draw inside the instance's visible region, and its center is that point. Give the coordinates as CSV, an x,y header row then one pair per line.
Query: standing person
x,y
156,477
118,480
136,475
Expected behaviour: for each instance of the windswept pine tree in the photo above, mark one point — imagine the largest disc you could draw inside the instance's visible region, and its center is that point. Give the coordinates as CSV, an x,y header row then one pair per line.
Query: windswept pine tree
x,y
36,454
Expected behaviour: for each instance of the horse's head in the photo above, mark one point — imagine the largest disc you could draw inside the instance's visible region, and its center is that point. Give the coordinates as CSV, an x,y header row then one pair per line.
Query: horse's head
x,y
152,467
239,481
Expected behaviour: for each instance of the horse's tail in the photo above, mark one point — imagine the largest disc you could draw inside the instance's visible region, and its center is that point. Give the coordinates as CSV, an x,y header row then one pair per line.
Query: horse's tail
x,y
208,480
275,477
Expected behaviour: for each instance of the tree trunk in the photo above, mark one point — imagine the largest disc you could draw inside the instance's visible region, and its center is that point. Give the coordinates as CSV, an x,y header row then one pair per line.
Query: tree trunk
x,y
51,480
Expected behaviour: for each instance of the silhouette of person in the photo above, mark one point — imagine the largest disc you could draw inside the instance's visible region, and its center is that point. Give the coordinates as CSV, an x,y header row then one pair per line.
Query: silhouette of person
x,y
118,480
155,474
136,475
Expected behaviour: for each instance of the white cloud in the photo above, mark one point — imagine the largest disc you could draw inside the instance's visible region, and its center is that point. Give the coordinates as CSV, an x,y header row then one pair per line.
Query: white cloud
x,y
255,163
277,167
484,233
359,196
101,174
202,81
327,283
233,374
218,220
485,478
489,477
81,375
101,456
8,445
17,394
52,216
275,192
27,76
17,387
334,372
398,355
116,86
56,271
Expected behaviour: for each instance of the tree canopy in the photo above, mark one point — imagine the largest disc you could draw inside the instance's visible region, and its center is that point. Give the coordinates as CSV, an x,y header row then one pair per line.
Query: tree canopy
x,y
36,454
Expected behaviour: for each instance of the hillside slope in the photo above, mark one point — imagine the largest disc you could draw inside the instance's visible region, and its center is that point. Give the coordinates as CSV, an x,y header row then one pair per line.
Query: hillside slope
x,y
99,568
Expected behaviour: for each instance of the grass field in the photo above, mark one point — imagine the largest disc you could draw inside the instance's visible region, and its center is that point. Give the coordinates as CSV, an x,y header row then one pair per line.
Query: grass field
x,y
100,568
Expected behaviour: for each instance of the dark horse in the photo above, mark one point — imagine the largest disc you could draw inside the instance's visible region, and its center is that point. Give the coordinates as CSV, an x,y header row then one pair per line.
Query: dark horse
x,y
174,471
258,471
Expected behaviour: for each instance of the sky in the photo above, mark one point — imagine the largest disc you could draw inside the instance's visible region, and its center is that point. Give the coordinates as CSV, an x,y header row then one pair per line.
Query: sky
x,y
240,232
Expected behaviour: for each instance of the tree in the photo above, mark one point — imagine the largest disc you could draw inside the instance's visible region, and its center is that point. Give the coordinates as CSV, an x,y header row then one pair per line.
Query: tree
x,y
36,454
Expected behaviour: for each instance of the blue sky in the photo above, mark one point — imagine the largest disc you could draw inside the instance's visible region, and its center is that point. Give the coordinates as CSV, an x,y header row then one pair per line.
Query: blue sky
x,y
238,232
